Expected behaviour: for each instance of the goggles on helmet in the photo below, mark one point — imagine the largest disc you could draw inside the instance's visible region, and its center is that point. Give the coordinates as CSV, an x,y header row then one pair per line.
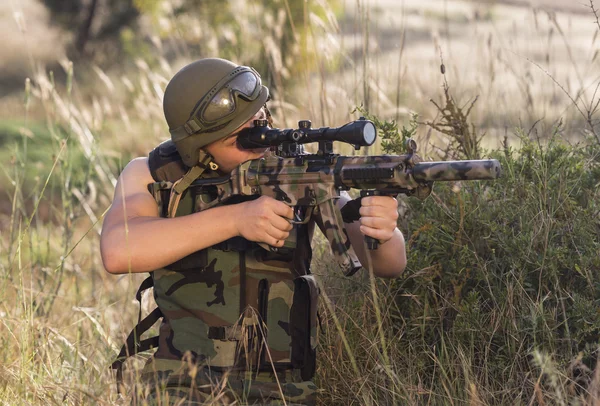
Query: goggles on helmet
x,y
216,107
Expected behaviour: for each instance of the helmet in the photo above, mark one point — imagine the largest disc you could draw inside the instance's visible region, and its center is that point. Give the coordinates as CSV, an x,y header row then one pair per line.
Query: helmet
x,y
207,100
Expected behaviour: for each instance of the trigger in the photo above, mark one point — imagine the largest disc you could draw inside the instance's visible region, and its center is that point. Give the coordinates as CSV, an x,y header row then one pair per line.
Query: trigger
x,y
298,215
268,247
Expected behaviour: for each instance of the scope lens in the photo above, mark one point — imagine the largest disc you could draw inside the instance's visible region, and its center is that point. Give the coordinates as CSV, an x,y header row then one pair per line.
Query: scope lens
x,y
369,133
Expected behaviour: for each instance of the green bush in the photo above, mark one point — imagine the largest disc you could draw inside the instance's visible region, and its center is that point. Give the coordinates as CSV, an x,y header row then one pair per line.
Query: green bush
x,y
501,290
29,151
502,269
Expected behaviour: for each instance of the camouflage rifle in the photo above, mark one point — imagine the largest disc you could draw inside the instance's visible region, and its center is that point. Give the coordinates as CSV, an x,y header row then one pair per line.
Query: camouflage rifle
x,y
312,183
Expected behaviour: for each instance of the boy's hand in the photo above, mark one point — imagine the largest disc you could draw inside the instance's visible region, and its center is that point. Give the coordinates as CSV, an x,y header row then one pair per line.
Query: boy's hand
x,y
264,220
379,216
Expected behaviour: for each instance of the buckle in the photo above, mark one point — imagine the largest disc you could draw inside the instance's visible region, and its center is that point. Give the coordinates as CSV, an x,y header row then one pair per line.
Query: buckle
x,y
192,127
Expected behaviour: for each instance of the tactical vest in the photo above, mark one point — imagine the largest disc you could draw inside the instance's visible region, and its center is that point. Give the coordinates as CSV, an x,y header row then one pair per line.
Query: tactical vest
x,y
234,306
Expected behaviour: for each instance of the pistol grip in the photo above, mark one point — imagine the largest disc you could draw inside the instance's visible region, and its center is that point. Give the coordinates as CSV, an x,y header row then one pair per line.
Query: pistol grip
x,y
372,243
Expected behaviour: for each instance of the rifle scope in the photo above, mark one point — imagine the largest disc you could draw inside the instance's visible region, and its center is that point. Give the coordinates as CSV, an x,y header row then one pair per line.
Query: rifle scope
x,y
359,133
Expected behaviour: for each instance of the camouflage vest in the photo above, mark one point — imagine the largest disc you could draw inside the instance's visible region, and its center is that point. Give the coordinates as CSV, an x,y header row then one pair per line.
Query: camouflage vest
x,y
234,307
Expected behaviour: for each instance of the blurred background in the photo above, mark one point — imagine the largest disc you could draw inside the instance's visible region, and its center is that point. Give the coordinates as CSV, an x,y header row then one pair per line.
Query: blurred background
x,y
524,60
81,85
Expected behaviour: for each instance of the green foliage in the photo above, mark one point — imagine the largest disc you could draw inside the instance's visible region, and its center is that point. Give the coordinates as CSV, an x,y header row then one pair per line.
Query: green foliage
x,y
147,6
499,302
28,152
392,140
296,40
501,269
98,23
274,36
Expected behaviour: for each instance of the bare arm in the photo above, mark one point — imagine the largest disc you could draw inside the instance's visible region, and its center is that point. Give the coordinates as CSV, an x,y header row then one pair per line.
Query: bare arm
x,y
378,220
135,239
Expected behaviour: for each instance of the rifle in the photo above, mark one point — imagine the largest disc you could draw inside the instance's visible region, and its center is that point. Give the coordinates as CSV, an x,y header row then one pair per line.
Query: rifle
x,y
311,183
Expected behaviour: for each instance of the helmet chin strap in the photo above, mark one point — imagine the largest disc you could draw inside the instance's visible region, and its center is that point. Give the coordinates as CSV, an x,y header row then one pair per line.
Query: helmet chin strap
x,y
180,186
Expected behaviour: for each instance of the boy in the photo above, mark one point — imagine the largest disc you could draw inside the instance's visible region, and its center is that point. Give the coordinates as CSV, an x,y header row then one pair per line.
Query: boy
x,y
231,309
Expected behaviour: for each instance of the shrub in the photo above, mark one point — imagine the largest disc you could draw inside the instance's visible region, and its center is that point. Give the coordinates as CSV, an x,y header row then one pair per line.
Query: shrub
x,y
501,290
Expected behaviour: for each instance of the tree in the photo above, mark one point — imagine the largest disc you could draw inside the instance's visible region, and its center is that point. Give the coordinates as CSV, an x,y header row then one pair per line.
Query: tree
x,y
92,21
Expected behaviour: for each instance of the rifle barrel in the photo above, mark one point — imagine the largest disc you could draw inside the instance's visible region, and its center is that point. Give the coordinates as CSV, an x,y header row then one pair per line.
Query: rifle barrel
x,y
457,170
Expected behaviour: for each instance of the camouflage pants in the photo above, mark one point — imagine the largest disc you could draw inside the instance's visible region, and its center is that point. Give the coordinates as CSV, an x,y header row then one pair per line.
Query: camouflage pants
x,y
169,382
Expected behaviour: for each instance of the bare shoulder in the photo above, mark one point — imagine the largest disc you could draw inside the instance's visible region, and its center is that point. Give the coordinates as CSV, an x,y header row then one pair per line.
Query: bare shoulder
x,y
134,179
137,172
131,192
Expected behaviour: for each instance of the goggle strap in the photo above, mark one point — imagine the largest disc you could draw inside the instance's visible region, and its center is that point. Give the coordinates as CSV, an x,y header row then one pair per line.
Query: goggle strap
x,y
179,134
182,184
189,128
192,126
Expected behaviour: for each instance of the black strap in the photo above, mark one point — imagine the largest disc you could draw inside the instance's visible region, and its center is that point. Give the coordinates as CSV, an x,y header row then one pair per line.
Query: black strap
x,y
242,263
302,254
133,344
145,285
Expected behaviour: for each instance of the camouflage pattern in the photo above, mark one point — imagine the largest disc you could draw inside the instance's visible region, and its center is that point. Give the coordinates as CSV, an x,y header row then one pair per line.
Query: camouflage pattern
x,y
171,382
231,312
228,309
457,170
316,181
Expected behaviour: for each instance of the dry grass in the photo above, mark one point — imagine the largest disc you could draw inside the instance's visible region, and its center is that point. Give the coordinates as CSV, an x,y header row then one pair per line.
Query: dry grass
x,y
62,316
512,57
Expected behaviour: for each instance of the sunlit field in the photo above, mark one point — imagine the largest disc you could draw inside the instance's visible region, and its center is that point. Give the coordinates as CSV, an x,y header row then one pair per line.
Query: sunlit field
x,y
499,303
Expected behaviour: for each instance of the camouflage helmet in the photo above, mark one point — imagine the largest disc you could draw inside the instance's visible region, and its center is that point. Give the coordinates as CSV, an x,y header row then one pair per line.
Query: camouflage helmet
x,y
208,100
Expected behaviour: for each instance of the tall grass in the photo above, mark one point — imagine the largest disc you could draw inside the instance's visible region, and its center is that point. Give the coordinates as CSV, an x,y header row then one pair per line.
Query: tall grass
x,y
498,302
498,305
